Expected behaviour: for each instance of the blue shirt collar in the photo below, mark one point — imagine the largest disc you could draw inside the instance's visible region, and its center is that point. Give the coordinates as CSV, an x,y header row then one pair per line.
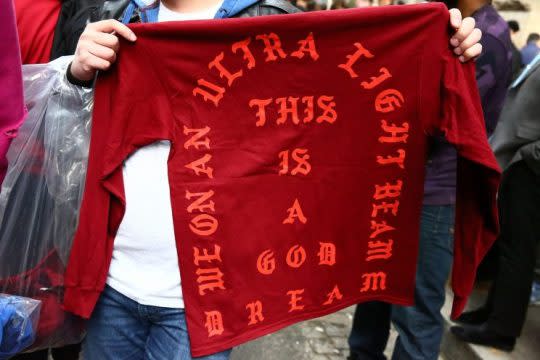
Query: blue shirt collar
x,y
526,71
149,9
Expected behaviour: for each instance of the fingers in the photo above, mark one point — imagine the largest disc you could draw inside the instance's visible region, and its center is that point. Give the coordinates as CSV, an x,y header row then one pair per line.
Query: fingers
x,y
470,41
471,53
466,28
102,52
97,48
109,26
455,18
107,40
91,63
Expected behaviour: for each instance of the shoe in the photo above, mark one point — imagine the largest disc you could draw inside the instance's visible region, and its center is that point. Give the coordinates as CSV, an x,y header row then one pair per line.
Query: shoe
x,y
481,335
476,317
535,294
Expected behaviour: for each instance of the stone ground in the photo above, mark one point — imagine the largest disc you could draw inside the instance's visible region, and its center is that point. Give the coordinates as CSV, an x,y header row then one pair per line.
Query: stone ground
x,y
527,347
326,339
318,339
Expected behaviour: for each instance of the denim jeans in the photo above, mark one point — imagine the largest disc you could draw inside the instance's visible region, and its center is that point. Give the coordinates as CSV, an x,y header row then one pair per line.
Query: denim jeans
x,y
122,329
420,327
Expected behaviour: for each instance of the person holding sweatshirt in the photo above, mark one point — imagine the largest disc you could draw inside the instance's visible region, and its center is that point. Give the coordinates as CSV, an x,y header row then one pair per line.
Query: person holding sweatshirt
x,y
138,316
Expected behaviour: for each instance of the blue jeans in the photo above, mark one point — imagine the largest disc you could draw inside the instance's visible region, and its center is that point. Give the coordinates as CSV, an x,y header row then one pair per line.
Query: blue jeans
x,y
420,327
122,329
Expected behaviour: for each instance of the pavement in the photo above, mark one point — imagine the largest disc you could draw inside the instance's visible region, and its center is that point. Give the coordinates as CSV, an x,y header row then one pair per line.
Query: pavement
x,y
527,346
323,338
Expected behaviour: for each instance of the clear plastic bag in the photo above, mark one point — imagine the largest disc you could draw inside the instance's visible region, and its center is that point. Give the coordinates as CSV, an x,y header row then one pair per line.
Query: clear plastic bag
x,y
41,196
19,317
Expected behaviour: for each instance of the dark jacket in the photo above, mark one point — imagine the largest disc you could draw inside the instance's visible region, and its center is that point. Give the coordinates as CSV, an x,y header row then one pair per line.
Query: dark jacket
x,y
76,14
517,136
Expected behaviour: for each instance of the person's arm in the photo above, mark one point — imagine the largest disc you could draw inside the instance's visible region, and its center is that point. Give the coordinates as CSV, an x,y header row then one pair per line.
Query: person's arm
x,y
491,65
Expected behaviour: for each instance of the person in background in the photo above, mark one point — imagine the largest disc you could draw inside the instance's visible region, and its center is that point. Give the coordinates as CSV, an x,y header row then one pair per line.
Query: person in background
x,y
529,51
315,5
301,4
516,144
36,22
339,4
420,327
517,62
363,3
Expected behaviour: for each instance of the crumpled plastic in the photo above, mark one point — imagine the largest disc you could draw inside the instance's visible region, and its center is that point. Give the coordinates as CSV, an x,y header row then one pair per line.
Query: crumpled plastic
x,y
18,323
41,196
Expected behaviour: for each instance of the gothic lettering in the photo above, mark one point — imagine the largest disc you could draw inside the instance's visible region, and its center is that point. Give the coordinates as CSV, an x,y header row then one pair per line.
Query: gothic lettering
x,y
377,80
199,166
199,203
388,190
328,105
204,225
379,250
266,263
296,256
255,312
398,134
272,47
214,323
327,254
306,46
223,72
333,295
379,228
248,55
398,160
388,100
295,299
209,280
352,59
374,282
309,108
197,257
284,110
295,212
204,89
261,112
385,207
195,140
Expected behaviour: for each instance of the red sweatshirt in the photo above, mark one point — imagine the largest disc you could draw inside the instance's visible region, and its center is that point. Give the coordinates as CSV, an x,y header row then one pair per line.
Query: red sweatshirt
x,y
297,163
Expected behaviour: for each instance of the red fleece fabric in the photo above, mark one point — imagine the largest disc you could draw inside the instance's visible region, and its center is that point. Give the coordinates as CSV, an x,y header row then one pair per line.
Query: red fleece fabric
x,y
297,163
36,21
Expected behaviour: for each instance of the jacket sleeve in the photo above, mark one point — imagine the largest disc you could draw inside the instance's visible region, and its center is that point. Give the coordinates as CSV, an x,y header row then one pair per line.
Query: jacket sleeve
x,y
12,110
478,175
530,153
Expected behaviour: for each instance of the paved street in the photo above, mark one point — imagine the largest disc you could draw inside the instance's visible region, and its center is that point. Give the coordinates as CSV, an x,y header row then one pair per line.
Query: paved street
x,y
319,339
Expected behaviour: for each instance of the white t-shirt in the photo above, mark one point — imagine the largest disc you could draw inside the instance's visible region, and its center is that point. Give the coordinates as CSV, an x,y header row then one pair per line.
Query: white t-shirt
x,y
144,265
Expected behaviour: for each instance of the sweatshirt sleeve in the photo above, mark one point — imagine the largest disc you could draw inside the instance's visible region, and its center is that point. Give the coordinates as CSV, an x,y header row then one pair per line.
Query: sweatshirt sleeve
x,y
478,175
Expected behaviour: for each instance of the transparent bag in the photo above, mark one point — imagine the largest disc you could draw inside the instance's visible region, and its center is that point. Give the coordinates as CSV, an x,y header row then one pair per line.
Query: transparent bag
x,y
19,317
41,196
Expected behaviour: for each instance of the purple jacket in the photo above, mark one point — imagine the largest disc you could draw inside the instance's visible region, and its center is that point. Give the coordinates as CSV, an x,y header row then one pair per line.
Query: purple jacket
x,y
493,75
12,109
